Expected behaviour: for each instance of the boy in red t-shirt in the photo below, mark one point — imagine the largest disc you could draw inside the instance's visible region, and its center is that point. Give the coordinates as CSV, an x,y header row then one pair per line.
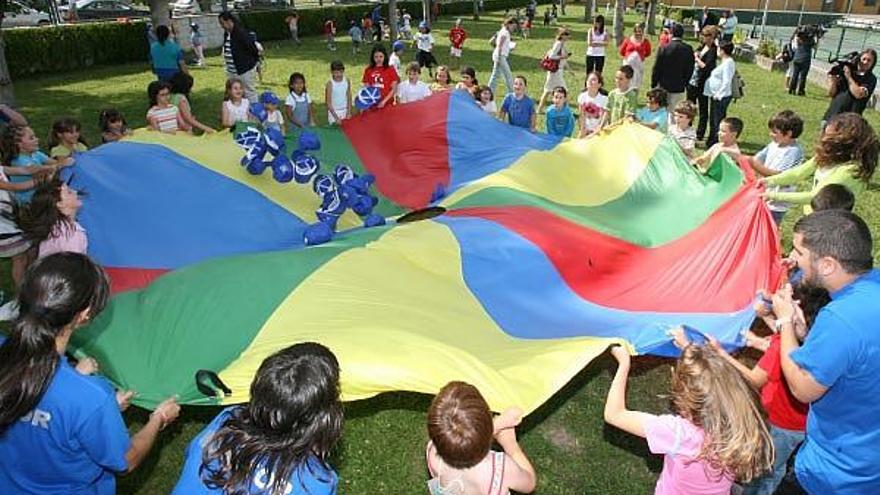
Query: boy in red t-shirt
x,y
330,34
787,416
457,35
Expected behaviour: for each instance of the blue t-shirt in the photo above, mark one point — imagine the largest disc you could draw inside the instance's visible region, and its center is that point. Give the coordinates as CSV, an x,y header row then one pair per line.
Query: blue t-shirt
x,y
72,443
310,479
659,117
166,57
519,112
841,453
22,160
560,122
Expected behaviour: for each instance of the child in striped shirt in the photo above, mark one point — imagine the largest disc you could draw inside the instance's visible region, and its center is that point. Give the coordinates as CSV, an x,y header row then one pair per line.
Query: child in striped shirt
x,y
163,116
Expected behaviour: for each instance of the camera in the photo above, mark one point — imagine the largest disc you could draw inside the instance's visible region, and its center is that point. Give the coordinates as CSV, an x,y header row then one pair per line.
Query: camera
x,y
850,60
811,33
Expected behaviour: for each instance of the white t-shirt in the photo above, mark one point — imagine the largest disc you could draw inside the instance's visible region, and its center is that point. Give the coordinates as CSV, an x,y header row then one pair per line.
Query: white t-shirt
x,y
394,61
293,99
587,105
239,113
597,51
489,107
502,44
275,118
425,41
408,92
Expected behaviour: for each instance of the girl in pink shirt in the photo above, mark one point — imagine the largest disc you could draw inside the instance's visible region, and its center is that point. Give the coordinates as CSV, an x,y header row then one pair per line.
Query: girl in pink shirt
x,y
50,219
718,433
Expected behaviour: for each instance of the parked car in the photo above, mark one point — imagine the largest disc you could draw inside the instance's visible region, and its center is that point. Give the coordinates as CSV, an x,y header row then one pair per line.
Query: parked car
x,y
185,7
16,14
103,9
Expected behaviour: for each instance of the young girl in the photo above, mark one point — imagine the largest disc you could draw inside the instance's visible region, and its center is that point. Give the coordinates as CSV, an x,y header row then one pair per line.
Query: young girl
x,y
486,100
717,433
425,44
846,154
181,85
442,81
592,105
459,455
468,81
113,125
380,75
280,441
49,220
21,157
197,42
298,106
597,39
66,138
162,115
337,94
235,105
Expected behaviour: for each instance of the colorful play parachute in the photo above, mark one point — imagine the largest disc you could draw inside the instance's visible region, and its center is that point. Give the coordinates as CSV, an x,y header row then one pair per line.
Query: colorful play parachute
x,y
548,251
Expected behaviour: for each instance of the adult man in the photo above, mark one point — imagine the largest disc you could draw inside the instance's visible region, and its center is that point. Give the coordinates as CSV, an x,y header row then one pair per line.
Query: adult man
x,y
837,369
728,25
240,53
707,18
674,68
853,90
500,67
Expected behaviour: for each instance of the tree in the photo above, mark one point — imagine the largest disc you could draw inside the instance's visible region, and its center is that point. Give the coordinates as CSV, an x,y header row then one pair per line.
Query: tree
x,y
392,18
651,17
476,10
589,10
159,13
7,92
619,11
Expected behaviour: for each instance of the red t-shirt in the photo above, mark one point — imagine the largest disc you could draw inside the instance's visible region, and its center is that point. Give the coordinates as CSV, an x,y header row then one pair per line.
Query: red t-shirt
x,y
628,46
783,409
457,36
380,77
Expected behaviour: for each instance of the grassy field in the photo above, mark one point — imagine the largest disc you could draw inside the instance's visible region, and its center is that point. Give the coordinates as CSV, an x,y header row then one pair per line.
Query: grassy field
x,y
382,449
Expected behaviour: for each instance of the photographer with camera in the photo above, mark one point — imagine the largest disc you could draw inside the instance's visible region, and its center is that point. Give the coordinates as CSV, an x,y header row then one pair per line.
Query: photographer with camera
x,y
853,82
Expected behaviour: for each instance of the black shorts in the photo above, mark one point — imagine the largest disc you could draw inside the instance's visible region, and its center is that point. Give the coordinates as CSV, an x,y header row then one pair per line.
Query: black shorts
x,y
426,59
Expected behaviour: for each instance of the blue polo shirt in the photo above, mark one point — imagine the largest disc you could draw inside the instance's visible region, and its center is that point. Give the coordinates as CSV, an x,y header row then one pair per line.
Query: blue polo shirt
x,y
166,59
309,479
519,111
841,453
560,122
72,443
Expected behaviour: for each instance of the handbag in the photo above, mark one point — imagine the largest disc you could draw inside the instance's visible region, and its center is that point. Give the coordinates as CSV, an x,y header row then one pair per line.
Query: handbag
x,y
549,64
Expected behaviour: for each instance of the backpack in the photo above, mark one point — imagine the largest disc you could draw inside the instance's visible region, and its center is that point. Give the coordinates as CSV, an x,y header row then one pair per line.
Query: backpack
x,y
737,86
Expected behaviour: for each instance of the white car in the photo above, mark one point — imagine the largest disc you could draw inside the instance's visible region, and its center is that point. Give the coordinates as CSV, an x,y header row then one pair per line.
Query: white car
x,y
16,14
185,7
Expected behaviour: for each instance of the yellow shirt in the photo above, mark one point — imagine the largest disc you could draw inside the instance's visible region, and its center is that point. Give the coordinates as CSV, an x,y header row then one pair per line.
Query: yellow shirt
x,y
62,151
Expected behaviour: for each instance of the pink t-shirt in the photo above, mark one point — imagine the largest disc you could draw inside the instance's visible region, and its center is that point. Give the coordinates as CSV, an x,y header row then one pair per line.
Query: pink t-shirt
x,y
65,240
680,442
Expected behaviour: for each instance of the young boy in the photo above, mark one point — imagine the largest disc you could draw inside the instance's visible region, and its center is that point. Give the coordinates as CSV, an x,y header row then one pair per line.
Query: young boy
x,y
273,115
330,33
728,132
518,108
655,114
622,100
357,37
394,60
560,120
425,44
457,35
412,89
783,153
681,130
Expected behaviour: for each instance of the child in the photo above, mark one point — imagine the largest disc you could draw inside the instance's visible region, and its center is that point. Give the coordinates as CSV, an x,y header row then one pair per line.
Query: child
x,y
406,29
717,433
681,130
65,139
49,220
783,153
337,94
546,17
787,416
396,52
560,121
293,26
235,106
654,115
412,89
21,157
442,81
622,99
459,455
298,106
728,132
457,35
113,125
486,100
274,118
380,75
527,28
162,115
330,33
425,44
833,197
195,39
592,105
181,85
468,81
517,107
357,36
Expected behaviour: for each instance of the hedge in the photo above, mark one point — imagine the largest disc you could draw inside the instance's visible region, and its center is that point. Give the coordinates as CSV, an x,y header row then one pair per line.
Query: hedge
x,y
63,48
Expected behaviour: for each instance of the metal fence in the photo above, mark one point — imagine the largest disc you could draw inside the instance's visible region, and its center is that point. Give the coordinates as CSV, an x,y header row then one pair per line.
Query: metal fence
x,y
838,40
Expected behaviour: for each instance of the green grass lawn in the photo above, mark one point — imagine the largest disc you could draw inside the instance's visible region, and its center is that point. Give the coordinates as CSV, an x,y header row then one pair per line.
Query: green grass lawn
x,y
382,450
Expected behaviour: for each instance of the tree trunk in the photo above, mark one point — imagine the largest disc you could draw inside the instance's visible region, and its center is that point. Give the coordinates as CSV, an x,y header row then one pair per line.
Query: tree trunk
x,y
651,17
426,11
476,10
159,13
589,10
7,92
619,11
392,18
561,7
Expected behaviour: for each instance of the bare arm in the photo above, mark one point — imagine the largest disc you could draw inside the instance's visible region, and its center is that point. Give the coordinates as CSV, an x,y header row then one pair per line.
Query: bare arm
x,y
143,441
189,118
522,477
759,167
391,95
15,118
756,375
328,99
616,413
803,386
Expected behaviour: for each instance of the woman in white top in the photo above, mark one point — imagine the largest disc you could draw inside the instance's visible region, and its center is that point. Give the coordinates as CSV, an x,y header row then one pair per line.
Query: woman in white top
x,y
719,88
592,106
337,94
555,78
597,38
503,45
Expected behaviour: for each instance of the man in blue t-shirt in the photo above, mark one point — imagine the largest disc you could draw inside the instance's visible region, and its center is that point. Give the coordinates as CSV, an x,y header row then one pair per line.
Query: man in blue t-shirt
x,y
518,108
837,369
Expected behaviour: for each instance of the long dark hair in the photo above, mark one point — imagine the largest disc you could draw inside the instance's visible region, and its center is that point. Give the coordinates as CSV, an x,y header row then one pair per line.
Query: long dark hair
x,y
162,34
40,218
153,90
55,290
62,125
294,415
378,47
10,134
600,20
109,115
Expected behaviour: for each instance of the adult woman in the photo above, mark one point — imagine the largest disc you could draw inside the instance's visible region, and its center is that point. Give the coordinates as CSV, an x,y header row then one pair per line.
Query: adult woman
x,y
61,431
500,66
705,58
719,88
556,78
279,441
597,39
634,50
852,91
166,55
800,63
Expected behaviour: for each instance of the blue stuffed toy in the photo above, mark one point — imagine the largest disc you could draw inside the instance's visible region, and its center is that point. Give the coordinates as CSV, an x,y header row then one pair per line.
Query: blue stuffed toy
x,y
258,144
355,193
